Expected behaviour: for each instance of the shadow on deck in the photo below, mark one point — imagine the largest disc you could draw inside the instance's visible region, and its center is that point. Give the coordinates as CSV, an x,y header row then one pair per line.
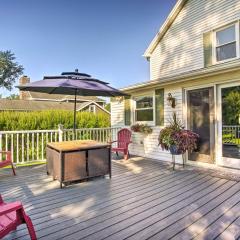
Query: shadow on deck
x,y
144,199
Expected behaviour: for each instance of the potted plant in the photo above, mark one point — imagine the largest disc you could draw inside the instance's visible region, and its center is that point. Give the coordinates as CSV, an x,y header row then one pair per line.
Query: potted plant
x,y
176,139
142,130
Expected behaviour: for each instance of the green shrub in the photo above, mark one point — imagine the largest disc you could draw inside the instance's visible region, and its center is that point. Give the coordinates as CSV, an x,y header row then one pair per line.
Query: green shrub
x,y
40,120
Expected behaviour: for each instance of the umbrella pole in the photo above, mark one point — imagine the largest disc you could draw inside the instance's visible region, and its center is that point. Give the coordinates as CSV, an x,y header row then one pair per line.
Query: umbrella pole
x,y
74,118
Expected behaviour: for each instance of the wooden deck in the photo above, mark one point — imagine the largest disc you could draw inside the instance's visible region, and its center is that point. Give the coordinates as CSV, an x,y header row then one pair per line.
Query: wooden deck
x,y
145,199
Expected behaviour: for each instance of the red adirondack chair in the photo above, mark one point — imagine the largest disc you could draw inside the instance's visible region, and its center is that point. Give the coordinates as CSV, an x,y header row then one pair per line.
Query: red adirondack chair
x,y
124,139
8,161
11,216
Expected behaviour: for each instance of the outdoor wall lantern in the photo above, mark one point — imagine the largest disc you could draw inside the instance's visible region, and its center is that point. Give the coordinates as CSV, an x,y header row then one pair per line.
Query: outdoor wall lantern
x,y
119,99
171,101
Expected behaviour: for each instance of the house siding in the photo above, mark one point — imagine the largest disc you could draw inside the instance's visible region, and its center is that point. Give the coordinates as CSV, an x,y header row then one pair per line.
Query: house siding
x,y
181,48
117,114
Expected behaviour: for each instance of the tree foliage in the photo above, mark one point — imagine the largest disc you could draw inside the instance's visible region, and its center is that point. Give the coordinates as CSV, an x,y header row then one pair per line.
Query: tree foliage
x,y
40,120
231,108
108,107
10,70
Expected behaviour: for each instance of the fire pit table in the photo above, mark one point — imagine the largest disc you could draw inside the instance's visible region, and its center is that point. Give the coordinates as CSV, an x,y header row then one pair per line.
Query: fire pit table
x,y
77,160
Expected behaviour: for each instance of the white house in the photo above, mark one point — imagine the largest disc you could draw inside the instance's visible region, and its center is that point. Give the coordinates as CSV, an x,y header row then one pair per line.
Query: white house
x,y
195,57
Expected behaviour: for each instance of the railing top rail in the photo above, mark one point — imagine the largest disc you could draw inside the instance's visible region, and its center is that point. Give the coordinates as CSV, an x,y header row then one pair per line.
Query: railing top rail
x,y
234,126
28,131
78,129
54,130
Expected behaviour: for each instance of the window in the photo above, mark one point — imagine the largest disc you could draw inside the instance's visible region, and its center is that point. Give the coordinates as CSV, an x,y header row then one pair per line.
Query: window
x,y
226,43
144,109
92,108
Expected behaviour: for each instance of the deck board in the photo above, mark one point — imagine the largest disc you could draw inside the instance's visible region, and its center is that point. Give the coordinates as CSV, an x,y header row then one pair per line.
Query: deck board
x,y
144,199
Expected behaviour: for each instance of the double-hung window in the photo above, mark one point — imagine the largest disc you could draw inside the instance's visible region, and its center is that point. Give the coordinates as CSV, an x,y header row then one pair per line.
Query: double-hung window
x,y
147,108
144,109
226,43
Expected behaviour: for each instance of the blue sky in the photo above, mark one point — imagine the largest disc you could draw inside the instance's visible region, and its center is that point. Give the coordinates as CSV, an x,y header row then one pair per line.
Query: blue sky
x,y
104,38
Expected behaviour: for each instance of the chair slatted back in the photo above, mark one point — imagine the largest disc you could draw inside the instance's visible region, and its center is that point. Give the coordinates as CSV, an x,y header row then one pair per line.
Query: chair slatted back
x,y
124,137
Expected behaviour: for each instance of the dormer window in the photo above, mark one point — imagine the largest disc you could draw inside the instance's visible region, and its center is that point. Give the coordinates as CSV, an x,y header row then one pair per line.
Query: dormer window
x,y
226,43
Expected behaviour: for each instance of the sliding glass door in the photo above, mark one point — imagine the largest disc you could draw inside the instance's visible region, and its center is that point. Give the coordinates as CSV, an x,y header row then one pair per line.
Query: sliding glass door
x,y
229,125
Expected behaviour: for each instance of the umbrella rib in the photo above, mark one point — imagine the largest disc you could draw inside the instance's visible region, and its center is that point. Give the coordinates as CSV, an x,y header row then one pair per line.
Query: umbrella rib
x,y
52,90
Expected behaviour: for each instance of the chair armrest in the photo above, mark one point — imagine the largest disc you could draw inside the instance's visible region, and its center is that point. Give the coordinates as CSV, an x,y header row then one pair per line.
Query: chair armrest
x,y
112,142
10,207
8,153
5,152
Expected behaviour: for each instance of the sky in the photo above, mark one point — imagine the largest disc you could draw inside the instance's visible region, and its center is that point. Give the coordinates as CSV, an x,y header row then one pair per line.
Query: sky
x,y
104,38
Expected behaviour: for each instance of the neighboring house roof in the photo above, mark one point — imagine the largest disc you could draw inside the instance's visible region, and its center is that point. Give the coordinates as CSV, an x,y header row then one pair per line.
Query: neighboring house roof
x,y
60,97
164,28
26,105
91,103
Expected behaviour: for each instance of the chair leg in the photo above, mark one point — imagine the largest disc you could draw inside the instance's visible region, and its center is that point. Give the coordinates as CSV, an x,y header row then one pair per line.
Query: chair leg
x,y
30,228
117,153
126,155
14,172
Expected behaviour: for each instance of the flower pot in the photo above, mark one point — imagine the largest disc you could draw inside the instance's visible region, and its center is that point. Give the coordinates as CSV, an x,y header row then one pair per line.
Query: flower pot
x,y
138,138
174,150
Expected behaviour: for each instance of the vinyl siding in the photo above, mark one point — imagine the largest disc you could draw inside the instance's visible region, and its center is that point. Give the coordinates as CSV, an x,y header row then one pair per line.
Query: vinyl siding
x,y
117,114
181,49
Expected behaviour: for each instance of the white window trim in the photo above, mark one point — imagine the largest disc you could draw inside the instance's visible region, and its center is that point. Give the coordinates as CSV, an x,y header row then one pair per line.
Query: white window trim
x,y
150,123
214,41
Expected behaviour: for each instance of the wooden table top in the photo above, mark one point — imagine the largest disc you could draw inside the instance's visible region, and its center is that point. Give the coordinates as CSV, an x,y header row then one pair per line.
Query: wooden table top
x,y
76,145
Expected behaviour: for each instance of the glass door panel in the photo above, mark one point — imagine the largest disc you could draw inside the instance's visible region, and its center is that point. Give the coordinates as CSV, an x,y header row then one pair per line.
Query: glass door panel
x,y
230,122
201,121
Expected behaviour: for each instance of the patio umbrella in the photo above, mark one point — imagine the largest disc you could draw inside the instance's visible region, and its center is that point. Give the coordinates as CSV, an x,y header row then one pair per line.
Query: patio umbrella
x,y
72,83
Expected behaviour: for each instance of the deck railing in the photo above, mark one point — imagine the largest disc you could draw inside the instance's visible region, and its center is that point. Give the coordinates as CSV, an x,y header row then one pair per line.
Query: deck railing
x,y
231,135
30,146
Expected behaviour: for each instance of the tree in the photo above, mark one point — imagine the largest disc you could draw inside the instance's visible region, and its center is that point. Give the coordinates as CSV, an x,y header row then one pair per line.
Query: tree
x,y
231,109
10,70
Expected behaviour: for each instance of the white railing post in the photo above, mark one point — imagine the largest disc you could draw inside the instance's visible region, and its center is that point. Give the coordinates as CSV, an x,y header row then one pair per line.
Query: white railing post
x,y
60,132
1,148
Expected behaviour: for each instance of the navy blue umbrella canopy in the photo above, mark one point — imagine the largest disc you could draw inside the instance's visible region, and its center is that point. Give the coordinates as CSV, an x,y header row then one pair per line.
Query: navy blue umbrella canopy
x,y
72,83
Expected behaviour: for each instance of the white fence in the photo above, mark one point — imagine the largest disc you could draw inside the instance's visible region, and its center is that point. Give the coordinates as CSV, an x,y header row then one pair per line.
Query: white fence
x,y
30,146
231,135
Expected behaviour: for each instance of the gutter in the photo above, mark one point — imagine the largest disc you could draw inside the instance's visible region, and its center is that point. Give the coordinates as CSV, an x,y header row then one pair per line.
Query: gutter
x,y
191,75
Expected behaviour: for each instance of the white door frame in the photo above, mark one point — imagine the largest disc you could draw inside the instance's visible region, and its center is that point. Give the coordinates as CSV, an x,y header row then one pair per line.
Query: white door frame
x,y
185,120
220,160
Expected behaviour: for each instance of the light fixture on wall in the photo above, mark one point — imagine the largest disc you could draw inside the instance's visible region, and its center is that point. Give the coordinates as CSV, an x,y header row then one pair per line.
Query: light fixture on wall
x,y
119,99
171,101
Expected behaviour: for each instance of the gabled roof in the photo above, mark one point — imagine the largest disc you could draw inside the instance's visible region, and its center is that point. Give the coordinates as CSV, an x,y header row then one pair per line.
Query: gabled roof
x,y
164,28
83,105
